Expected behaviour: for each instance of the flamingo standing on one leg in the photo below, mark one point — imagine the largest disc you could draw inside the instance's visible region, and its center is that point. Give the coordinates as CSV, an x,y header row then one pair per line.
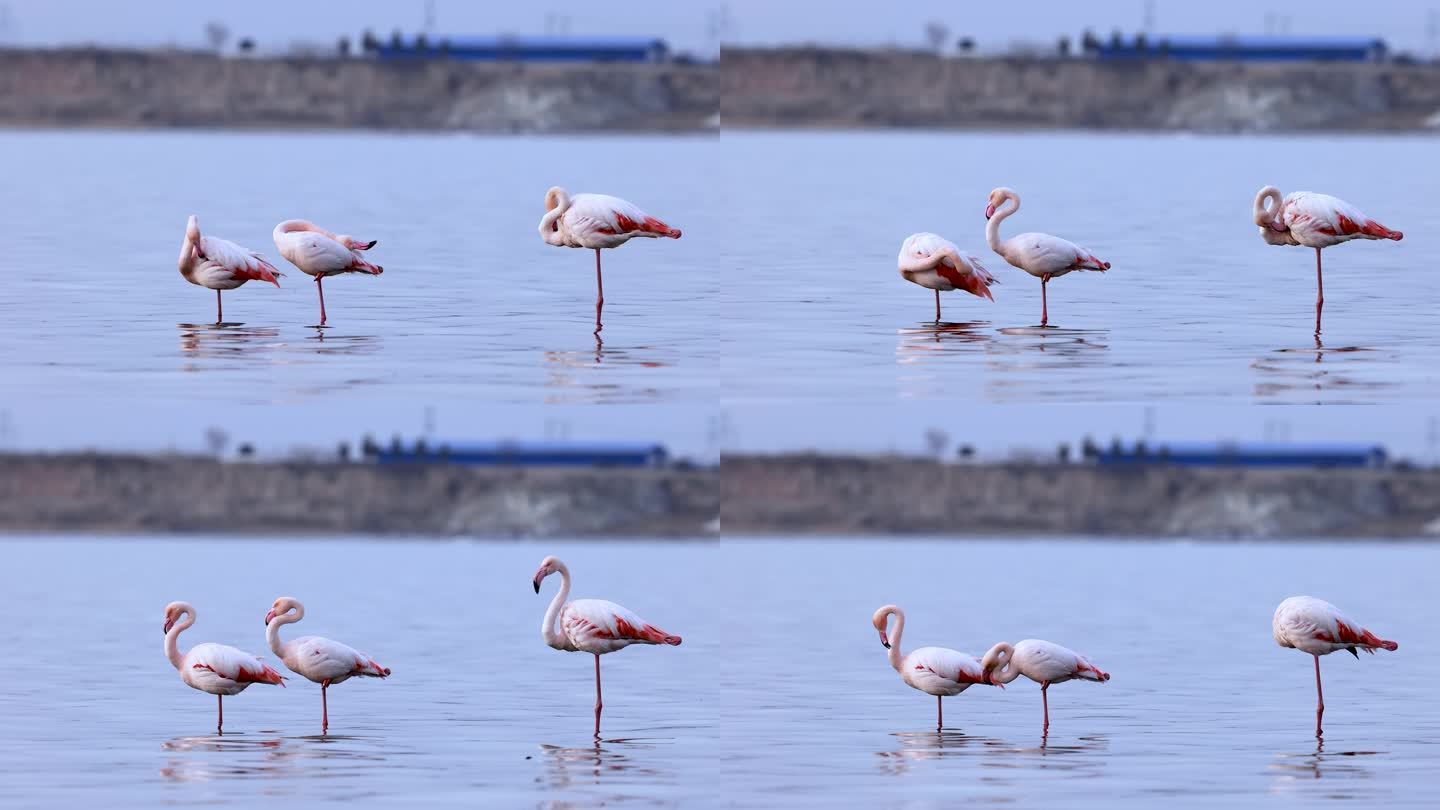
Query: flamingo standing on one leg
x,y
594,626
318,659
320,253
213,668
934,262
1039,254
935,671
1043,662
1317,627
596,221
219,264
1314,221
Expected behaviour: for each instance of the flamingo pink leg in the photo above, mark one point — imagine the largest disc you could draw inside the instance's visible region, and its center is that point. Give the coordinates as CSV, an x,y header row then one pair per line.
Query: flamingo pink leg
x,y
219,309
1319,292
937,309
1319,698
321,289
598,704
599,295
1045,702
1044,303
324,708
220,718
939,705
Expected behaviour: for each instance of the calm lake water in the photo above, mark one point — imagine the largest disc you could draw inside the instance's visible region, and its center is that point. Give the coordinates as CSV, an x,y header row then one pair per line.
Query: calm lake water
x,y
1196,307
780,692
477,710
472,305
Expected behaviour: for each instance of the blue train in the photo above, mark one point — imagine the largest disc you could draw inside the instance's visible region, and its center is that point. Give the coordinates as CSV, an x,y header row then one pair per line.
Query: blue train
x,y
523,49
1241,48
1245,454
529,454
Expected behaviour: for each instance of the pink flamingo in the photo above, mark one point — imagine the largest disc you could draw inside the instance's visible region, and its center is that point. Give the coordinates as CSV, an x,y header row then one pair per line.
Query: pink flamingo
x,y
213,668
1314,221
595,222
935,671
935,263
594,626
317,659
1039,254
1317,627
320,253
219,264
1043,662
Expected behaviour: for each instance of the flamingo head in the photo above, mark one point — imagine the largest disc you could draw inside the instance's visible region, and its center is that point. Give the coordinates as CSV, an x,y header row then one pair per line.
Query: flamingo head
x,y
282,606
175,610
881,621
192,229
548,566
996,199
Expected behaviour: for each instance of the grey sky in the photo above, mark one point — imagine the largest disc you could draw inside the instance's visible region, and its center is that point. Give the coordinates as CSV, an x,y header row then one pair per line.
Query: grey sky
x,y
686,24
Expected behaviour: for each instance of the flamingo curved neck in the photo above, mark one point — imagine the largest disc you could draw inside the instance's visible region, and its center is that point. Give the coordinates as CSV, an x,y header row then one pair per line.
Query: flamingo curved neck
x,y
992,227
897,660
272,630
548,630
557,202
999,662
1265,216
172,639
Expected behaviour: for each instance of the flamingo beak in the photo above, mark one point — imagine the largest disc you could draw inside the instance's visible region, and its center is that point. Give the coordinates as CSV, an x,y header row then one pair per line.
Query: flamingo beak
x,y
539,575
989,211
169,623
269,616
885,641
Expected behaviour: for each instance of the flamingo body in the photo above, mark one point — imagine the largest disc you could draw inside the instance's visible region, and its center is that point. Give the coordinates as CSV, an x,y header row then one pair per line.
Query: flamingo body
x,y
1047,662
597,221
936,263
1317,627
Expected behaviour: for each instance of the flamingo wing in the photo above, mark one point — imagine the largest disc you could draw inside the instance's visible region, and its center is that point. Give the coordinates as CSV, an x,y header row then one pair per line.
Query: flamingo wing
x,y
227,663
950,667
602,214
1042,253
241,262
1317,627
1330,219
321,659
924,252
592,621
319,254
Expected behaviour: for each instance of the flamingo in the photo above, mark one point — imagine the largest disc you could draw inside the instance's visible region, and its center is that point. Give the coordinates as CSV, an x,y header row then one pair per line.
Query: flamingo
x,y
1317,627
596,221
1043,662
935,263
320,253
317,659
1314,221
933,670
1039,254
213,668
594,626
219,264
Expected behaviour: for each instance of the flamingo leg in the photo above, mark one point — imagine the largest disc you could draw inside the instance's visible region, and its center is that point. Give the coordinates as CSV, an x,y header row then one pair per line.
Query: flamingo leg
x,y
598,704
324,708
1045,703
939,705
599,292
320,288
1044,303
937,306
220,717
1319,699
1319,291
219,309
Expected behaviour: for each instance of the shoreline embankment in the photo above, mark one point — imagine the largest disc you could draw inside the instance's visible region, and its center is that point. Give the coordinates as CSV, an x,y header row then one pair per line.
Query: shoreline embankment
x,y
820,87
800,495
93,87
837,496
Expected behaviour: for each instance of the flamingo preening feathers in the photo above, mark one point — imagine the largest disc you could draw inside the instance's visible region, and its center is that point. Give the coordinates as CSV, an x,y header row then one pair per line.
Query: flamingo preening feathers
x,y
213,668
935,263
596,222
1317,627
935,671
219,264
317,659
593,626
1039,254
320,253
1315,221
1043,662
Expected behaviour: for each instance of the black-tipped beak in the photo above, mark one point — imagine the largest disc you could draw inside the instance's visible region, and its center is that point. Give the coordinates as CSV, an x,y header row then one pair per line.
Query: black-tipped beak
x,y
269,616
169,623
884,641
989,211
536,583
